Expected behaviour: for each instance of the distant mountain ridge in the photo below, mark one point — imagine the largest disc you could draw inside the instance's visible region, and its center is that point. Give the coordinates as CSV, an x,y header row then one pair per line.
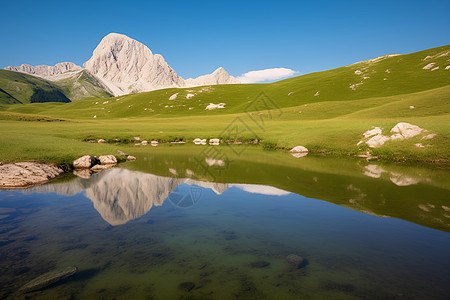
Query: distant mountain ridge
x,y
120,65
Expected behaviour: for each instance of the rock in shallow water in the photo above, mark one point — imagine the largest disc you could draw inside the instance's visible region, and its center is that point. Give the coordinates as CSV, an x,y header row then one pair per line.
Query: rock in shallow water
x,y
294,261
260,264
25,174
186,286
48,279
85,162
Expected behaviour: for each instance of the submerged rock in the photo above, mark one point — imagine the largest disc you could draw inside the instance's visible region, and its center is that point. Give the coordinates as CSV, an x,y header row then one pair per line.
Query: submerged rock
x,y
23,174
260,264
186,286
130,157
294,261
48,279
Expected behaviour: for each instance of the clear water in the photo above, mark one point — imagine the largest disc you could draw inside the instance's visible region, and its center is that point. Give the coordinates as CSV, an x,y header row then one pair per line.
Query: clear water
x,y
145,231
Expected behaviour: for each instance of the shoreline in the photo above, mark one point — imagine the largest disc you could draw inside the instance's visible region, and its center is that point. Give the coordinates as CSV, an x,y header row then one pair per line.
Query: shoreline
x,y
65,168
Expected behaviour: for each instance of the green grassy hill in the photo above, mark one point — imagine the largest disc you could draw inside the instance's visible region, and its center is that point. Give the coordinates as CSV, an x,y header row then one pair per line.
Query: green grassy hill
x,y
23,88
82,85
325,111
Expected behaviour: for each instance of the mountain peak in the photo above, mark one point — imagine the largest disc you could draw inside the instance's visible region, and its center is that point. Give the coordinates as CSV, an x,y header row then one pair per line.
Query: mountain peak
x,y
127,66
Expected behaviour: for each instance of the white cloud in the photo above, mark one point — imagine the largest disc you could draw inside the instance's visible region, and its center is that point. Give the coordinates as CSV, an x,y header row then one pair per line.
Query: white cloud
x,y
266,75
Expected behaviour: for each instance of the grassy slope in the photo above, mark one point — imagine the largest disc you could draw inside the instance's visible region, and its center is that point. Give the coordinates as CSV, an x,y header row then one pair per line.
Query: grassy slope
x,y
82,85
27,88
333,121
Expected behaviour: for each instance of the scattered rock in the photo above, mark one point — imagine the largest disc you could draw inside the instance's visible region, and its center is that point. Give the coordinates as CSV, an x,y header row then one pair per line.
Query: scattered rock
x,y
130,157
260,264
25,174
214,142
213,106
317,94
48,279
154,143
435,68
190,96
85,162
101,141
372,132
412,107
290,93
198,141
429,136
397,136
447,67
419,145
173,97
294,261
401,131
429,66
108,159
407,130
299,151
122,153
377,141
137,139
144,143
186,286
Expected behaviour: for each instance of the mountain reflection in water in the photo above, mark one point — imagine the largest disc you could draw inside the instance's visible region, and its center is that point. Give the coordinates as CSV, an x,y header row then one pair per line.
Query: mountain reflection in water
x,y
121,195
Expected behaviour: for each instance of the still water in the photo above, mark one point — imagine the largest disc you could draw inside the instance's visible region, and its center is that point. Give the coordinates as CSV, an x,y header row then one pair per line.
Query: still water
x,y
182,223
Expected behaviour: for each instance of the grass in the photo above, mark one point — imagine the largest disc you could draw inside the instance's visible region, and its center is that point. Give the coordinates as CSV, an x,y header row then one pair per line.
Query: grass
x,y
281,114
25,88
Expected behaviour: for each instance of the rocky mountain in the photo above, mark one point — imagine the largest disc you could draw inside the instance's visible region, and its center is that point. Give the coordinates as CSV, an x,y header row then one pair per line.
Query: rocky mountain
x,y
74,81
119,65
219,76
53,73
128,66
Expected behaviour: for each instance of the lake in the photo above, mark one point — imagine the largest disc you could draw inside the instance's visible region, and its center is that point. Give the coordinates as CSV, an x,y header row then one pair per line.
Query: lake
x,y
205,222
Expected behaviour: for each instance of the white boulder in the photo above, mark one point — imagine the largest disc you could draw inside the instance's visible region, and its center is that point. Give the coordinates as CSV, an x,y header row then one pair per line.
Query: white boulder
x,y
407,130
429,136
85,162
213,106
23,174
377,141
173,97
154,143
372,132
214,142
299,151
107,159
144,143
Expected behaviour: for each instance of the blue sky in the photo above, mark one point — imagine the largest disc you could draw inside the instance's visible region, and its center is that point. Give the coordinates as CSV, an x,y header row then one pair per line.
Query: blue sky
x,y
196,37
